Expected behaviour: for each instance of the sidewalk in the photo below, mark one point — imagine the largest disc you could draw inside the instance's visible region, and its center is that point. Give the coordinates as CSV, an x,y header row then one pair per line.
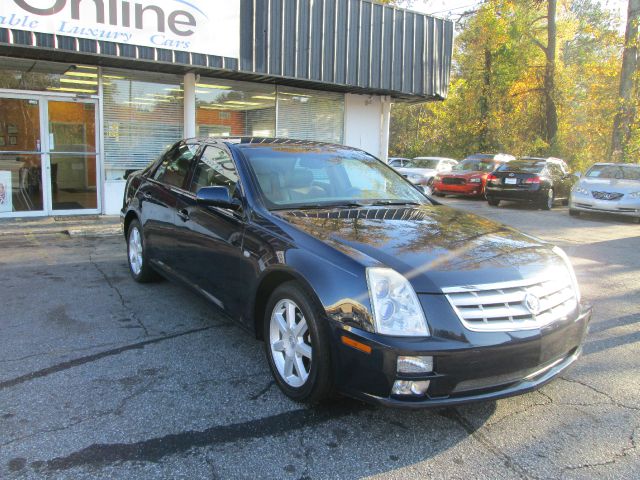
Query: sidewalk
x,y
76,226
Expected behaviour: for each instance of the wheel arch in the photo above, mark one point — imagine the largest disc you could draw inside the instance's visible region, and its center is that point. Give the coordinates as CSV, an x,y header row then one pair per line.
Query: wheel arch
x,y
129,217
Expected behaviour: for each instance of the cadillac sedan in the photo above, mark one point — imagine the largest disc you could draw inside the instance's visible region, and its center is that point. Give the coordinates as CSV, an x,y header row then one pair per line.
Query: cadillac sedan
x,y
356,281
609,188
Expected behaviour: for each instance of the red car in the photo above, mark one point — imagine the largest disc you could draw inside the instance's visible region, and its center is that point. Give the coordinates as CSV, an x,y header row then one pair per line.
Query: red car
x,y
469,177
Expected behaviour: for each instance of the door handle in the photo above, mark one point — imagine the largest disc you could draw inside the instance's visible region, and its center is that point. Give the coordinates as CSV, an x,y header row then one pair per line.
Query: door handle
x,y
183,214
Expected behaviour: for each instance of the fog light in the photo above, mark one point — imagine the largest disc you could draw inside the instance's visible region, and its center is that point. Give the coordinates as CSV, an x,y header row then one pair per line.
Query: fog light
x,y
415,364
407,387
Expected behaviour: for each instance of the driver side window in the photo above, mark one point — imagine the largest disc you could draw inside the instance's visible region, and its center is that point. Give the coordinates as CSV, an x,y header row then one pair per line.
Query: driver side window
x,y
175,165
215,169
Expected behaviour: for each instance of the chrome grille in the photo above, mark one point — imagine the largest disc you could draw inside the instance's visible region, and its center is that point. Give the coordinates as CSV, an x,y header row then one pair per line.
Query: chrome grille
x,y
503,307
607,195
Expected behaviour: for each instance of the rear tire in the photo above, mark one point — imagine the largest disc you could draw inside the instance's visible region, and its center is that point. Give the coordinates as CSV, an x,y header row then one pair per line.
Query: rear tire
x,y
494,202
297,345
138,262
438,194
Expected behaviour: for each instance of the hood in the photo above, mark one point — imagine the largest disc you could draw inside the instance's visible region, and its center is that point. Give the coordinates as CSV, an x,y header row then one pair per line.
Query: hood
x,y
433,246
465,174
427,172
617,185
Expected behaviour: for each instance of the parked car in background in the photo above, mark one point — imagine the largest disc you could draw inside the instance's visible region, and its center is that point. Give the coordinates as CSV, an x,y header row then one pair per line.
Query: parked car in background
x,y
396,162
469,177
421,170
356,281
610,188
539,181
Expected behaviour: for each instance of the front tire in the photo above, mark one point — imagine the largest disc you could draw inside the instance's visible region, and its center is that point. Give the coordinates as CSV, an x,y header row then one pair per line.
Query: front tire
x,y
494,202
297,345
138,262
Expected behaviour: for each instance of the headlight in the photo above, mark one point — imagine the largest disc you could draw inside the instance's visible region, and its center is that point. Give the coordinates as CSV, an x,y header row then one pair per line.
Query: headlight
x,y
558,251
396,310
581,190
634,195
475,180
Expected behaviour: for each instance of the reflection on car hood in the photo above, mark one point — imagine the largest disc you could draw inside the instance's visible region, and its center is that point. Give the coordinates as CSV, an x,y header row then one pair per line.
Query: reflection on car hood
x,y
434,246
615,185
417,171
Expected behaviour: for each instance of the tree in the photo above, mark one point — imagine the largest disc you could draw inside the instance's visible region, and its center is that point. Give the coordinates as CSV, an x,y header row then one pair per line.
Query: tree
x,y
625,116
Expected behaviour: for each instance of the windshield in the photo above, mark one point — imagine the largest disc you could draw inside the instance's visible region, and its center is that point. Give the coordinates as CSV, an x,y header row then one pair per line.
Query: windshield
x,y
293,176
521,166
614,171
475,166
422,163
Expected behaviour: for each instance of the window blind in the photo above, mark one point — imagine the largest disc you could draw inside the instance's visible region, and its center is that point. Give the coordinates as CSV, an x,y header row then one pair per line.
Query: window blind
x,y
310,115
143,115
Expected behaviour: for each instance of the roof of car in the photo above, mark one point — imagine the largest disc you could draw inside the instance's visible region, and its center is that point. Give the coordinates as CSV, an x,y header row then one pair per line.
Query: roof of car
x,y
434,158
255,141
617,164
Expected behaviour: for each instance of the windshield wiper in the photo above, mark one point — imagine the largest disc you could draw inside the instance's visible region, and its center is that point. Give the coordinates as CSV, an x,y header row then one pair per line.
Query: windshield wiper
x,y
320,206
393,202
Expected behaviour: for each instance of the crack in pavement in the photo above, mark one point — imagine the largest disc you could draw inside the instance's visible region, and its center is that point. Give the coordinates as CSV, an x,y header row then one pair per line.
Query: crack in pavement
x,y
154,449
453,414
605,394
131,313
616,456
96,356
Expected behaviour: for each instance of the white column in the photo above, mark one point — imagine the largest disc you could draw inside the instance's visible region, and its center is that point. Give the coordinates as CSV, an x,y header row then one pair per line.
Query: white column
x,y
384,128
190,105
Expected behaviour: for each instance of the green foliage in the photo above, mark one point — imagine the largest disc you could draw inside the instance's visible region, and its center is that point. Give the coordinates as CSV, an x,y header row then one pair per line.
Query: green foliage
x,y
496,102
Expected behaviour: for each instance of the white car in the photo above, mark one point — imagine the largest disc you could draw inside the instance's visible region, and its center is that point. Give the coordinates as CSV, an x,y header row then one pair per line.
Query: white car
x,y
421,170
609,188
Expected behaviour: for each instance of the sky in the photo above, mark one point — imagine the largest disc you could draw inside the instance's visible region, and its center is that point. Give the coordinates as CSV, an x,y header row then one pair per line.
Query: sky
x,y
446,8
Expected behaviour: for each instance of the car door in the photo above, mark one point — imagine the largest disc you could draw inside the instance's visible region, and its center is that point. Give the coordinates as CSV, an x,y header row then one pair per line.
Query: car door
x,y
158,201
210,238
559,182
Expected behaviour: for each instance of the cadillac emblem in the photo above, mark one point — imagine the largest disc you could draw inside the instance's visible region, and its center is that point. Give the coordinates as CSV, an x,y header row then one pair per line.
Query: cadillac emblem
x,y
532,303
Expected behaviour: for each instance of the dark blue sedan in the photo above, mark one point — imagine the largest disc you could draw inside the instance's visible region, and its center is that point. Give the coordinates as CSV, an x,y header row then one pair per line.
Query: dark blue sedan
x,y
356,281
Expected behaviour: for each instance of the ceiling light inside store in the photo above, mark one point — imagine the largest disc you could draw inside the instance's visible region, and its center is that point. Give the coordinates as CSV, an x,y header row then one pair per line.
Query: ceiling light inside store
x,y
295,94
69,89
237,102
86,67
263,97
81,82
173,89
215,87
81,74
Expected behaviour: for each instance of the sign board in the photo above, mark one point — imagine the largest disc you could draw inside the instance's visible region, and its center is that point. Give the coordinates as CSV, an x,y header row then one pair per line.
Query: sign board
x,y
6,192
210,27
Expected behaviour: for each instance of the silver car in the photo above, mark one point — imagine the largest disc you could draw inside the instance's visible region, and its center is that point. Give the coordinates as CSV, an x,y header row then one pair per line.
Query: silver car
x,y
421,170
609,188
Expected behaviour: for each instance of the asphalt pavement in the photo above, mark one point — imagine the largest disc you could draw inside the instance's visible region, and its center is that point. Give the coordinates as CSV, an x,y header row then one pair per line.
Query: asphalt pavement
x,y
101,377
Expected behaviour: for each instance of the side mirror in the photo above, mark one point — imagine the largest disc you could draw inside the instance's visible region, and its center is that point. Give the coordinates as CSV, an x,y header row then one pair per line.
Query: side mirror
x,y
217,197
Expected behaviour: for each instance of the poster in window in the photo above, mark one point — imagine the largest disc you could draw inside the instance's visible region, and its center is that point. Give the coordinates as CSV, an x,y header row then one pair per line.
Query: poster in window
x,y
6,203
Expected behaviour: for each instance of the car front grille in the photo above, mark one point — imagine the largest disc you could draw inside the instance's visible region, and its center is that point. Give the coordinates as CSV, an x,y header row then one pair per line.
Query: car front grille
x,y
453,181
607,195
511,306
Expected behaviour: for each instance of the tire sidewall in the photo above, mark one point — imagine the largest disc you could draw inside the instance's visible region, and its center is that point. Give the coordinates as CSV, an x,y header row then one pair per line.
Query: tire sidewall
x,y
318,337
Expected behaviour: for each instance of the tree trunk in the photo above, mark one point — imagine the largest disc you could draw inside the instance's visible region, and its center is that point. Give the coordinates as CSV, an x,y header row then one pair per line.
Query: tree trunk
x,y
484,100
551,115
626,111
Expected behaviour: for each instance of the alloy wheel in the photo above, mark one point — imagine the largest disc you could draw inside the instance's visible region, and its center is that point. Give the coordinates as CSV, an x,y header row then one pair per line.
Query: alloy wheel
x,y
290,343
135,251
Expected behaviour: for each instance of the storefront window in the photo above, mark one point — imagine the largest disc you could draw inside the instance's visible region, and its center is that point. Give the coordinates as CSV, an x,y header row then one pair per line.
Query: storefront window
x,y
228,108
143,115
20,74
310,115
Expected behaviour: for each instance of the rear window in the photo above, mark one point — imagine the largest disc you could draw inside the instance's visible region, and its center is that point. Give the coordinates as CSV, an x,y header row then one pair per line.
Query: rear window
x,y
526,167
475,165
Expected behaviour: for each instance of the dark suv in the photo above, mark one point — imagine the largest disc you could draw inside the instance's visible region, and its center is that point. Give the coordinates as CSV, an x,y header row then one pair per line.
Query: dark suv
x,y
540,181
355,280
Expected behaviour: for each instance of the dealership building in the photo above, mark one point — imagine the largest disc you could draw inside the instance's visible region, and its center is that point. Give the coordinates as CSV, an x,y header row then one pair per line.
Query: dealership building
x,y
92,89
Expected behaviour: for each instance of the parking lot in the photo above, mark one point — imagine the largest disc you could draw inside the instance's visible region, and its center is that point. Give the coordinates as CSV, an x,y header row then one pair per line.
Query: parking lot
x,y
101,377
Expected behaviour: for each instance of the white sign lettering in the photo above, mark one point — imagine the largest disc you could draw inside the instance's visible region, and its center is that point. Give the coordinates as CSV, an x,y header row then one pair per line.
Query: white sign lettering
x,y
210,27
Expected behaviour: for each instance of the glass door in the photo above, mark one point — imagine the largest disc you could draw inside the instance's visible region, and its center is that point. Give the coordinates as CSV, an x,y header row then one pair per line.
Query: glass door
x,y
21,172
71,147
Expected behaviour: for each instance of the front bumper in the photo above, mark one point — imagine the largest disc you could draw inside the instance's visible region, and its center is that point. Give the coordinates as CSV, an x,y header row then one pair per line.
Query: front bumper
x,y
468,189
585,203
467,368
